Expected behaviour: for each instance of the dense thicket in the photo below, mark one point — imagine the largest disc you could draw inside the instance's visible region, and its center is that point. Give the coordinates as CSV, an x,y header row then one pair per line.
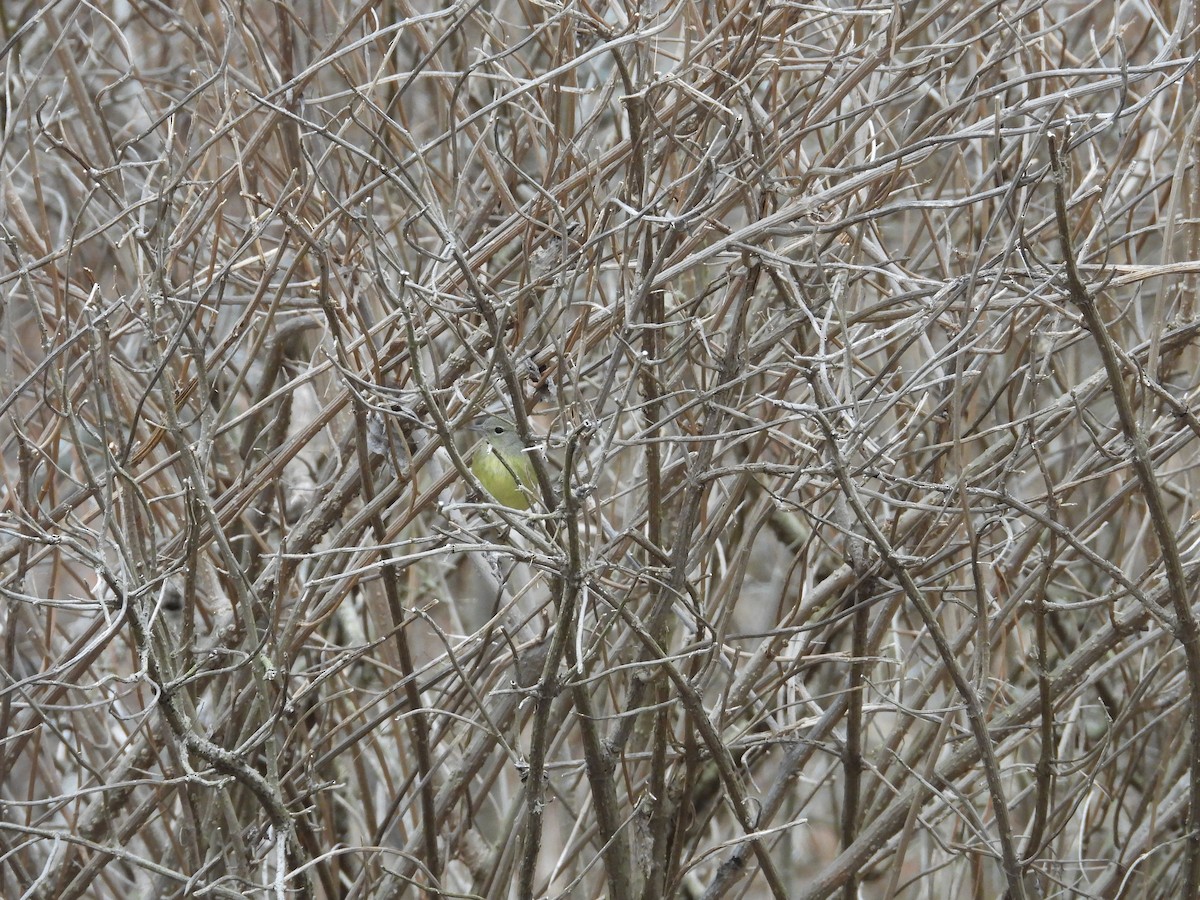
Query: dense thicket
x,y
855,350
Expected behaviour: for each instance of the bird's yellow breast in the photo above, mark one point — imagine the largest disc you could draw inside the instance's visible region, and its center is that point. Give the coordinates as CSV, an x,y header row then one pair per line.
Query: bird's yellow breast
x,y
496,475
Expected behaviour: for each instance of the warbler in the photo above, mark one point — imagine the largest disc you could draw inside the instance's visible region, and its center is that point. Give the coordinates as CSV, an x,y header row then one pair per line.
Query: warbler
x,y
501,463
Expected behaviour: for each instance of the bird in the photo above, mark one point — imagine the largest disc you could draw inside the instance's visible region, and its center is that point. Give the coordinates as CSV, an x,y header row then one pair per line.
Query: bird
x,y
502,464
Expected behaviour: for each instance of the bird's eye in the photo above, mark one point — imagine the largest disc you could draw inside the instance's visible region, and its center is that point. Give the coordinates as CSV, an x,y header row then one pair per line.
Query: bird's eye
x,y
498,429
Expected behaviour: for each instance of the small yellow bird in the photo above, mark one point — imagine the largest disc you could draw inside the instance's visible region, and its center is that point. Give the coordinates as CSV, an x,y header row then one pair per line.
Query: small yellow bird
x,y
501,463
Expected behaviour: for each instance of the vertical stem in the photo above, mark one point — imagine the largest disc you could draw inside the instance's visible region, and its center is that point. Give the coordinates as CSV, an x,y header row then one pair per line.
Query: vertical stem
x,y
852,755
974,709
1186,631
